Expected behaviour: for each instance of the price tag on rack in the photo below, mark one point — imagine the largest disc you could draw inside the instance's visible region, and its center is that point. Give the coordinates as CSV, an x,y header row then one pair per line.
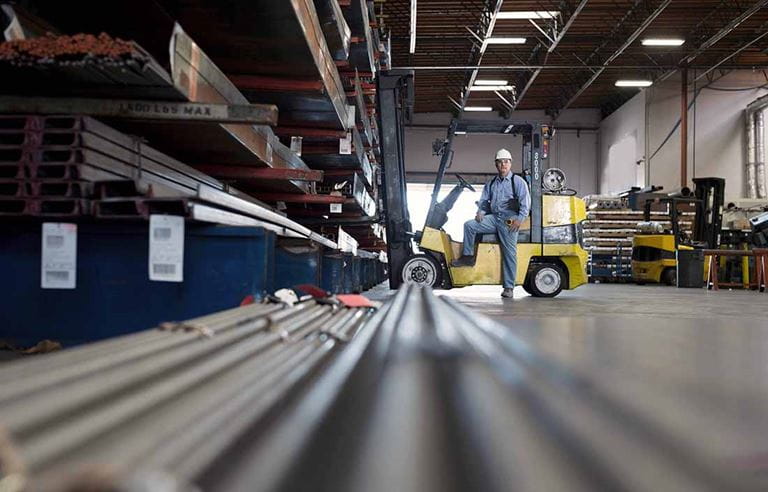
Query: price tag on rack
x,y
59,256
166,248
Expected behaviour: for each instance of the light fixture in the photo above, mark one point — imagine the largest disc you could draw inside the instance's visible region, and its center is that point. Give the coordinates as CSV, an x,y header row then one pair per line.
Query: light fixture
x,y
505,40
457,132
662,42
491,82
633,83
538,14
412,47
491,88
478,108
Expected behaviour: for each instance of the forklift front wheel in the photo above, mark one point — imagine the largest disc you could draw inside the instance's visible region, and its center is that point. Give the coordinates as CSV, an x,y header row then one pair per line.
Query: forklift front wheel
x,y
545,280
422,270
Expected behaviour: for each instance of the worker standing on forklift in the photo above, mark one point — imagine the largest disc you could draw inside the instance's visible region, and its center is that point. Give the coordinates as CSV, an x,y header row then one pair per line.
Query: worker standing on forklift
x,y
503,206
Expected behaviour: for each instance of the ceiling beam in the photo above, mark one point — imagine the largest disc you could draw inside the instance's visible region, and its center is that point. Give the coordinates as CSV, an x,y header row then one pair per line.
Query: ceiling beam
x,y
501,68
631,39
551,48
492,8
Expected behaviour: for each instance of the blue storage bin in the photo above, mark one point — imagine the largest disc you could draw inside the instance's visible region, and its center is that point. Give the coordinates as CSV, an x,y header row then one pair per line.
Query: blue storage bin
x,y
296,265
114,296
333,272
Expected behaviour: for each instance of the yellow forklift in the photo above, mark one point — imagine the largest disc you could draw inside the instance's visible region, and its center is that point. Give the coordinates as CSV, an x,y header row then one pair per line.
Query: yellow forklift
x,y
550,253
654,249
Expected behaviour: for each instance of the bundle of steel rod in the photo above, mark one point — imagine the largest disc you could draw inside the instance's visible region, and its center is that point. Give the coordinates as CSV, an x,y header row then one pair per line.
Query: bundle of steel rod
x,y
163,401
79,49
432,396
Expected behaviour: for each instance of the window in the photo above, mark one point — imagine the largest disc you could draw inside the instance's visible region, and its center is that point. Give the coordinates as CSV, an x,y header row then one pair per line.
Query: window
x,y
419,196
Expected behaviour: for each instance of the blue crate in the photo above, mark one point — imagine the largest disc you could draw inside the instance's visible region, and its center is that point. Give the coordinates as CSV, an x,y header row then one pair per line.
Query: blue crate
x,y
296,265
352,274
114,296
332,276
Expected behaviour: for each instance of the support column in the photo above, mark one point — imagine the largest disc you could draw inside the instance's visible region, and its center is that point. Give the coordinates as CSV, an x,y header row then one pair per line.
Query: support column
x,y
683,127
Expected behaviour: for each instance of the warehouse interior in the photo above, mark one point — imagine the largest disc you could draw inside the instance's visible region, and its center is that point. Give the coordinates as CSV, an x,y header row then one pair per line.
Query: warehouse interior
x,y
279,245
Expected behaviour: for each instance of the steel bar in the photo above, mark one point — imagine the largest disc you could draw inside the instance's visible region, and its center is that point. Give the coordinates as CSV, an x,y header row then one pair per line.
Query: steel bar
x,y
172,398
262,114
481,406
335,27
247,173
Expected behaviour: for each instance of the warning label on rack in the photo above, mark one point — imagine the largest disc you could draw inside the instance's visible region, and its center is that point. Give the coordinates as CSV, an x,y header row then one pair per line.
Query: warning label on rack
x,y
59,256
166,248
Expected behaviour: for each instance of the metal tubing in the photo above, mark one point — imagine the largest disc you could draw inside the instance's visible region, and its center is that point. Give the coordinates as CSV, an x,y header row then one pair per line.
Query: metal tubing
x,y
684,127
760,152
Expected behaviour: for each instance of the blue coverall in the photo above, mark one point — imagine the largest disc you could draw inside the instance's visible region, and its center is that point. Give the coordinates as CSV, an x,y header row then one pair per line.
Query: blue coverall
x,y
500,192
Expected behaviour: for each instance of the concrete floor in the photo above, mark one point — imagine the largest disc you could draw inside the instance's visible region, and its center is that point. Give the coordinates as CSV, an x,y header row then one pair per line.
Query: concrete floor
x,y
619,300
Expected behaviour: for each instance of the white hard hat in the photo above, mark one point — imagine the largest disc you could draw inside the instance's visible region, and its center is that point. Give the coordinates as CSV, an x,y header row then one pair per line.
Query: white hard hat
x,y
503,154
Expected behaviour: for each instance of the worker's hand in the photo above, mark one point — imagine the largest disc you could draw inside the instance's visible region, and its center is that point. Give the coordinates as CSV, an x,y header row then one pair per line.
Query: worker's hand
x,y
514,225
479,216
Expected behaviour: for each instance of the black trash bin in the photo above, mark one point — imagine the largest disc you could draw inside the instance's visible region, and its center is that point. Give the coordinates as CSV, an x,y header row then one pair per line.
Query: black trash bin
x,y
690,268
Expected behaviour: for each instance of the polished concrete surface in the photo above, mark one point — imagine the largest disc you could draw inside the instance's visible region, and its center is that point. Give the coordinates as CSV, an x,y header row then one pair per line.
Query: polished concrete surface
x,y
622,300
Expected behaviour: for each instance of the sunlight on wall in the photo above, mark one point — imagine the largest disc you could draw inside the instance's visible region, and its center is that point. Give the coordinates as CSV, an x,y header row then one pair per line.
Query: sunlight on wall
x,y
419,196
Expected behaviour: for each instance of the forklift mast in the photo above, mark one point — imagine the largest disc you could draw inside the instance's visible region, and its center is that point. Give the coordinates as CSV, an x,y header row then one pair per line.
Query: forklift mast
x,y
709,221
395,102
535,155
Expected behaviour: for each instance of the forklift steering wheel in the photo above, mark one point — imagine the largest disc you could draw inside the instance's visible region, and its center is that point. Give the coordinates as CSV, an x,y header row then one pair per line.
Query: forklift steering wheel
x,y
463,182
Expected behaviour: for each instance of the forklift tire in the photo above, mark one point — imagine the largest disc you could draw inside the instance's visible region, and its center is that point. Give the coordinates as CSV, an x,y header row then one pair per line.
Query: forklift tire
x,y
527,285
669,276
546,280
422,270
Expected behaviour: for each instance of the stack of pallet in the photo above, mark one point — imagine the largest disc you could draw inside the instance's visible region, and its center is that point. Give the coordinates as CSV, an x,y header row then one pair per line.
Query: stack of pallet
x,y
608,233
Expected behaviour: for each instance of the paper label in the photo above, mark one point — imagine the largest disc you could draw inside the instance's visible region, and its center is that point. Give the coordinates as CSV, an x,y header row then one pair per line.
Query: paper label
x,y
335,208
345,144
59,256
296,145
166,248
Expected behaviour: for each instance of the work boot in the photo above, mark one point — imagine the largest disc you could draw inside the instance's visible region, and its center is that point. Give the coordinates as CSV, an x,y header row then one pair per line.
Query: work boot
x,y
464,261
508,293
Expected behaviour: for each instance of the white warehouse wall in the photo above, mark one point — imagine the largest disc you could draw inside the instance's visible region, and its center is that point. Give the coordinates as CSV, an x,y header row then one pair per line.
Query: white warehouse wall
x,y
716,139
573,149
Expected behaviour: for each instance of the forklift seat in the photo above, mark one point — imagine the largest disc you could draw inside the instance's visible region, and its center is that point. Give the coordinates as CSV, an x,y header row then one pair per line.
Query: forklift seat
x,y
522,237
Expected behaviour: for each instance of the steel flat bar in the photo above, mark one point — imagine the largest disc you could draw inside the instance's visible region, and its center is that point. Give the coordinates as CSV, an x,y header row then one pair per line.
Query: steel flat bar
x,y
242,172
316,199
259,114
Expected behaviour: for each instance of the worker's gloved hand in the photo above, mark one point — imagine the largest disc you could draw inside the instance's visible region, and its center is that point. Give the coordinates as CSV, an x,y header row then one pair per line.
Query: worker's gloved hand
x,y
514,225
479,216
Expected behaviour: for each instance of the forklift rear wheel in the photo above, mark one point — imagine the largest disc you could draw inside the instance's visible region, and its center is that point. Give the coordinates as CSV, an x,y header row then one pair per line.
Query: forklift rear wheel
x,y
422,270
545,280
669,276
527,285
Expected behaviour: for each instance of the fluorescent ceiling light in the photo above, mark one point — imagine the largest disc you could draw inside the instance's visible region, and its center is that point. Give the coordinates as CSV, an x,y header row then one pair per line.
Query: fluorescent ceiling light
x,y
412,47
490,88
505,40
538,14
478,108
633,83
663,42
491,82
459,133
